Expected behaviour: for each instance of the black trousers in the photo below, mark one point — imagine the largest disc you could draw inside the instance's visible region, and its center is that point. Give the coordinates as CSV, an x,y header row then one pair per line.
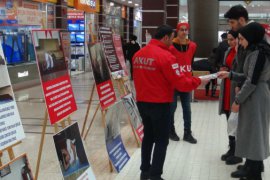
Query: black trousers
x,y
156,121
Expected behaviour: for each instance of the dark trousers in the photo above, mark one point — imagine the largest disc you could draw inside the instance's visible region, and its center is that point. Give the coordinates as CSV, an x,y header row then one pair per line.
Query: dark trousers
x,y
131,69
155,117
185,98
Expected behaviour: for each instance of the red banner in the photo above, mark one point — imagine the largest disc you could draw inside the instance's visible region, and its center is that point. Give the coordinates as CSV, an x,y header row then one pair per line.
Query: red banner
x,y
106,94
102,76
119,52
54,76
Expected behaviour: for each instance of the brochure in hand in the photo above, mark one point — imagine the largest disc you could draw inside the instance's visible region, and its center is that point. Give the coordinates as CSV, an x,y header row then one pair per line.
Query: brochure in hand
x,y
209,76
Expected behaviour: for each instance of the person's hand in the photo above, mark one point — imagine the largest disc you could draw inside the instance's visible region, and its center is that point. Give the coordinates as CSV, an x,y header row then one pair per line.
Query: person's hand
x,y
222,74
235,108
223,68
204,81
237,89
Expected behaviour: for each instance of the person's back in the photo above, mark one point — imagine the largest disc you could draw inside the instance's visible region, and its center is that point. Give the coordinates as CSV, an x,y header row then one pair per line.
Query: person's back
x,y
132,47
150,82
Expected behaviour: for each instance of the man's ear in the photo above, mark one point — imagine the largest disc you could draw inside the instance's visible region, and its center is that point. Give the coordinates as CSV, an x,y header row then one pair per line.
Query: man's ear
x,y
242,21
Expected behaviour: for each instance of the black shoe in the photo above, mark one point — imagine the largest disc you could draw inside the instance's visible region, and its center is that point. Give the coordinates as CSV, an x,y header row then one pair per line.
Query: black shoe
x,y
232,160
156,178
242,173
189,138
239,167
226,155
173,136
145,176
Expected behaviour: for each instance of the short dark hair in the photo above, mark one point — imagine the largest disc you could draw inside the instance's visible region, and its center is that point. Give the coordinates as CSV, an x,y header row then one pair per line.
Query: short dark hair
x,y
236,12
162,31
224,36
133,37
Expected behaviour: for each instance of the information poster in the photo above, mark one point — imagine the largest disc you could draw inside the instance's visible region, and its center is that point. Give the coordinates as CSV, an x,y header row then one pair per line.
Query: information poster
x,y
29,17
119,52
114,144
132,109
57,89
106,38
65,43
8,12
102,76
11,129
71,154
18,168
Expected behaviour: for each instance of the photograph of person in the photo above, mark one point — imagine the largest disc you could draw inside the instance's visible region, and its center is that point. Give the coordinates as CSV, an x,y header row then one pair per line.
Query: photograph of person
x,y
132,110
50,57
6,94
100,69
18,169
70,151
112,129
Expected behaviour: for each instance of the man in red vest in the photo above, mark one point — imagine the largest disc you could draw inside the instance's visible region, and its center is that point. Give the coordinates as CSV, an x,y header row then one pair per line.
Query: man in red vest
x,y
183,49
156,74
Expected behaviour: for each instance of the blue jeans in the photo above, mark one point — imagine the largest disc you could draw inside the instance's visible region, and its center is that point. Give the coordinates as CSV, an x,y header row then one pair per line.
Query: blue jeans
x,y
185,98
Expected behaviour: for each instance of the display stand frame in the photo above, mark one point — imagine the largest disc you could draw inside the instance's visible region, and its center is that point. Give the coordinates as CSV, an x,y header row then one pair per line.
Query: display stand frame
x,y
122,89
62,123
10,151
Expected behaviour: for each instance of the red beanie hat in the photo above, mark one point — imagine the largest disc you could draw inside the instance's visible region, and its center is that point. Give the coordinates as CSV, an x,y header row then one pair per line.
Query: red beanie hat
x,y
182,24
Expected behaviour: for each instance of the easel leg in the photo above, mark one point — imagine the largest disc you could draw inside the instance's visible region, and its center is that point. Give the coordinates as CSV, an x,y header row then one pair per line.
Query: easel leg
x,y
11,153
63,124
41,143
88,108
1,154
90,125
69,120
56,129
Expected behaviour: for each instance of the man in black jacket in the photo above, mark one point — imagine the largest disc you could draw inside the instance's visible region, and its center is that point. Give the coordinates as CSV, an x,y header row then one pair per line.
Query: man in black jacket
x,y
131,48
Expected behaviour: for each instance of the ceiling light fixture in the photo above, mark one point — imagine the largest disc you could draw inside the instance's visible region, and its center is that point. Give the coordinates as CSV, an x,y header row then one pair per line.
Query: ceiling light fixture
x,y
129,2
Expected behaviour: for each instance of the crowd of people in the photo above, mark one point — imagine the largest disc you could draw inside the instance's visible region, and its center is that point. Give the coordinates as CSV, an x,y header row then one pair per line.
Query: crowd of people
x,y
162,72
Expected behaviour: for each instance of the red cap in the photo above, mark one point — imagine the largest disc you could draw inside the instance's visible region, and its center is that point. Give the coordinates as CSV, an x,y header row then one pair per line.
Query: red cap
x,y
182,24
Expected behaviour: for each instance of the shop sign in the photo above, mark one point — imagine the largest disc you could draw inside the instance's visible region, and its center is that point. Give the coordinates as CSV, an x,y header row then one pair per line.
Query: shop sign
x,y
74,14
89,6
70,3
29,16
43,1
52,1
31,5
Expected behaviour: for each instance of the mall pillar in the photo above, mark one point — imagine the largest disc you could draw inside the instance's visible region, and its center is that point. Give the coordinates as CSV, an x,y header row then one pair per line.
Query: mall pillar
x,y
203,18
172,9
61,14
153,15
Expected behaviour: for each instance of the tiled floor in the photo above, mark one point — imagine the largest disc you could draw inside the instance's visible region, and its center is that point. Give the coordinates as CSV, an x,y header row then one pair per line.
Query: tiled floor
x,y
183,162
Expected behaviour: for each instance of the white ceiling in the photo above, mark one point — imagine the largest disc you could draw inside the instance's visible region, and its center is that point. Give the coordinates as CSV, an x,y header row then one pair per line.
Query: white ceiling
x,y
125,2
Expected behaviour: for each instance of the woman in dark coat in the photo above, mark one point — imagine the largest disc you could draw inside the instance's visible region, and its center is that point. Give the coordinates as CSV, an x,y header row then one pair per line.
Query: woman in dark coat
x,y
253,100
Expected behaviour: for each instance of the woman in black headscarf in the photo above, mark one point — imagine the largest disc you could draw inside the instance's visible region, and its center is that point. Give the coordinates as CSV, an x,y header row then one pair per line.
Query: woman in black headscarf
x,y
253,100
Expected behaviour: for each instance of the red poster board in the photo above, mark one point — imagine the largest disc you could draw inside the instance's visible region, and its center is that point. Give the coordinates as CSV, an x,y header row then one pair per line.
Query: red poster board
x,y
119,52
57,88
106,38
102,76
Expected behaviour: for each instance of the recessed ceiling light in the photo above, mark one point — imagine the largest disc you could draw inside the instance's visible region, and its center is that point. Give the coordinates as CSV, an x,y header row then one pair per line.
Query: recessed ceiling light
x,y
129,2
111,4
136,4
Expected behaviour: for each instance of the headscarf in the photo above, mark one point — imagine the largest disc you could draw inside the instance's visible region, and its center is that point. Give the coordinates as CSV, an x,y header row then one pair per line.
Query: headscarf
x,y
233,33
182,24
253,32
